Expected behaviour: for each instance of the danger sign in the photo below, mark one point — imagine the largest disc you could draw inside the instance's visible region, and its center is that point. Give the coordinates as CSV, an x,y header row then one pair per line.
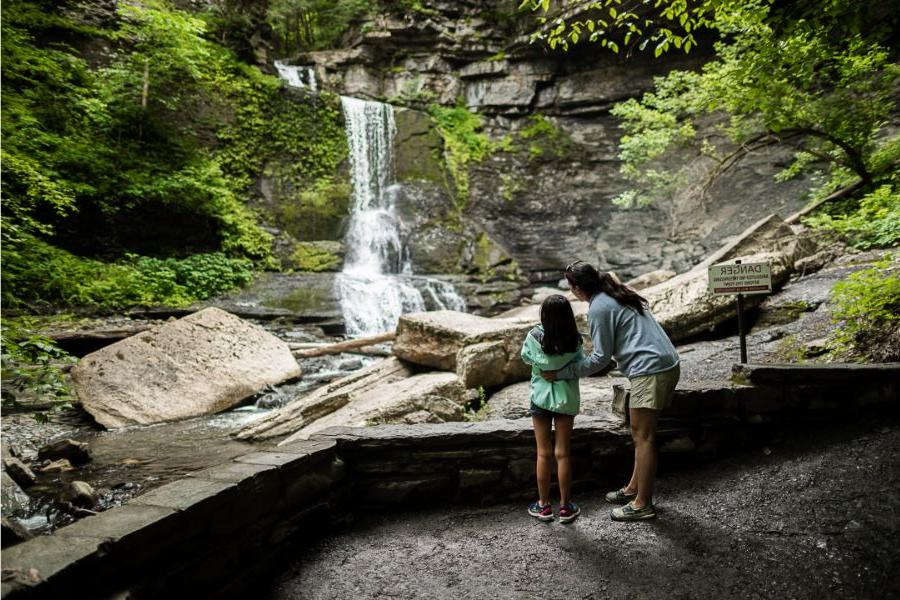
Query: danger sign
x,y
743,278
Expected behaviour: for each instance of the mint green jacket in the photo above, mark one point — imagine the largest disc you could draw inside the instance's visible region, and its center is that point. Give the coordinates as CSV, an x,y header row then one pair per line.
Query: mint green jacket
x,y
563,395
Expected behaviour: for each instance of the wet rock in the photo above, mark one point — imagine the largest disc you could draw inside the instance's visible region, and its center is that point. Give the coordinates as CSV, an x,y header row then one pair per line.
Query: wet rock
x,y
12,532
19,472
13,501
77,453
324,400
204,363
81,494
58,466
434,339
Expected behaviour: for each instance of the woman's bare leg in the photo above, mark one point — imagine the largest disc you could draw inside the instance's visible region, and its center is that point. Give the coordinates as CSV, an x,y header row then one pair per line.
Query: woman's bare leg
x,y
643,432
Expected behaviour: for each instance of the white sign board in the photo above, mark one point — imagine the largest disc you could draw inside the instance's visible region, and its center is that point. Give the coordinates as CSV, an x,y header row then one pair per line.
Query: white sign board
x,y
745,278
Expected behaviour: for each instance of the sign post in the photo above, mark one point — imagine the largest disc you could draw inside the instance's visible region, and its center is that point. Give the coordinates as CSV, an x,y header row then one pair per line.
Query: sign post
x,y
740,278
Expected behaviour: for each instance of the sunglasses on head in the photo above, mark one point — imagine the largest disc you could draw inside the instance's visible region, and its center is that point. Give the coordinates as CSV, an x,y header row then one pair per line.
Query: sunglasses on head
x,y
571,266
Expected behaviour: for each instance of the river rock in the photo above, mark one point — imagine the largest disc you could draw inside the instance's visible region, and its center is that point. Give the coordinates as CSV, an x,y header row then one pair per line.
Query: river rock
x,y
77,453
13,501
388,402
12,532
58,466
19,472
433,339
204,363
324,400
81,494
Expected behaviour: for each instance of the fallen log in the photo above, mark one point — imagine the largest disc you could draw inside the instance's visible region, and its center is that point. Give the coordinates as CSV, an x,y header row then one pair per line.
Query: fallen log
x,y
344,346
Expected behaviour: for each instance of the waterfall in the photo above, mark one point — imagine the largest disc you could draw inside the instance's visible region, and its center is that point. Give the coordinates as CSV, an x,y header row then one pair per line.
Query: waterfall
x,y
376,285
297,76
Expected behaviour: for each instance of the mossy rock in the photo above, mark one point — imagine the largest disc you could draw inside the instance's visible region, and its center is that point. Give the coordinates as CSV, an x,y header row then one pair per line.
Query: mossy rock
x,y
318,256
418,148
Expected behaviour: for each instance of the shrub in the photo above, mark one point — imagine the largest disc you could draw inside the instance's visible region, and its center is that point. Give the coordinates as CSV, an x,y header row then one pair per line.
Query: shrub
x,y
867,311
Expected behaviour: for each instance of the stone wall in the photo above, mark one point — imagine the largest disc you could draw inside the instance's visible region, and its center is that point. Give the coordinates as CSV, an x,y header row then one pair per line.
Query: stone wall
x,y
218,531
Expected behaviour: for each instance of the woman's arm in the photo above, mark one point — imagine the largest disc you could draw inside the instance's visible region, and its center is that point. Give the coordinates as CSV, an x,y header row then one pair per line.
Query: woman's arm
x,y
603,333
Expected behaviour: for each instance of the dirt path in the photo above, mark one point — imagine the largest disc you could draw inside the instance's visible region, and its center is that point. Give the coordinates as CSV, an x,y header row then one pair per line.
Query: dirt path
x,y
813,516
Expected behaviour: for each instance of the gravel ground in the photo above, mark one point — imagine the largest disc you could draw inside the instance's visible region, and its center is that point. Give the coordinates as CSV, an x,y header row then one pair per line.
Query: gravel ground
x,y
807,517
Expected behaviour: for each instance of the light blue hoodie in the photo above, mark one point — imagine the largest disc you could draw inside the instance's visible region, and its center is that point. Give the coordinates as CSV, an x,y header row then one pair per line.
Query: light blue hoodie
x,y
562,396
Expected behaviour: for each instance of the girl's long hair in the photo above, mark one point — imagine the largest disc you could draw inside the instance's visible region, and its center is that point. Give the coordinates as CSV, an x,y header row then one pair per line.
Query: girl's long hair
x,y
586,278
560,332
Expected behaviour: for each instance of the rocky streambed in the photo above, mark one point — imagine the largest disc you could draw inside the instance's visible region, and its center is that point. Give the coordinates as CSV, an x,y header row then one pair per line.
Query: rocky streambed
x,y
789,326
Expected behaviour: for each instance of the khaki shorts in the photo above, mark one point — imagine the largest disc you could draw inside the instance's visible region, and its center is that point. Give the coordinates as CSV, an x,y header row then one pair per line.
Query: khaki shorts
x,y
654,391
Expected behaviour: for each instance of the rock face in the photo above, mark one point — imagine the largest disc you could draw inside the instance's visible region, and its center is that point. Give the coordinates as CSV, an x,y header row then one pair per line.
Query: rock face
x,y
204,363
483,352
544,194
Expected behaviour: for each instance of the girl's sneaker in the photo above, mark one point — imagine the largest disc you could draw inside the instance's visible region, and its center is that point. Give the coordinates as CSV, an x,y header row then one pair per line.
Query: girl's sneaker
x,y
541,512
568,512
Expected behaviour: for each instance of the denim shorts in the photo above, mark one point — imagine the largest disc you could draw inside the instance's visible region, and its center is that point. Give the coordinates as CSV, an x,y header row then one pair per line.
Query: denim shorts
x,y
536,411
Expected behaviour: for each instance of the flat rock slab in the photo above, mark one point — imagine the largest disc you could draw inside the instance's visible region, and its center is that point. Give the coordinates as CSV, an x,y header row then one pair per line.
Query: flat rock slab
x,y
204,363
387,401
324,400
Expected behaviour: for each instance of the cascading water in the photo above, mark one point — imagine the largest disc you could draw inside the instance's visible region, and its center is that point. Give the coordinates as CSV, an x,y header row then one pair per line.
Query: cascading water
x,y
376,285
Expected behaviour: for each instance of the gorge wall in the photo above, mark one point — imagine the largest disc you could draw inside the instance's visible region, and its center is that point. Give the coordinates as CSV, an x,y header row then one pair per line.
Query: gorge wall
x,y
538,192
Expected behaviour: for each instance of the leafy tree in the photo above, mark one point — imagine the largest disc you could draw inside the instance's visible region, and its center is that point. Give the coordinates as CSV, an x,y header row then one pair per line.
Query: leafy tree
x,y
302,25
819,79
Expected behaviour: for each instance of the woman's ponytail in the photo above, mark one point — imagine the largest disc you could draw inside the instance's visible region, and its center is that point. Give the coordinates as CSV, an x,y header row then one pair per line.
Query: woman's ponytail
x,y
590,281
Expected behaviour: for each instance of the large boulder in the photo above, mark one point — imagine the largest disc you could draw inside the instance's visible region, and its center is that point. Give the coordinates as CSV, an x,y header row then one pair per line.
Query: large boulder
x,y
483,352
388,402
324,400
512,402
685,307
204,363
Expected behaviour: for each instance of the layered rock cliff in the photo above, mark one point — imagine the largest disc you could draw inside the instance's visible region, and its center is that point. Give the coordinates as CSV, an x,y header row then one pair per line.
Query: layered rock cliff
x,y
542,193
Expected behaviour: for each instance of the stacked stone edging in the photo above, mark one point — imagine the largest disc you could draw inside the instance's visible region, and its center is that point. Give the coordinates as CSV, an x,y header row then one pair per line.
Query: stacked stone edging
x,y
216,532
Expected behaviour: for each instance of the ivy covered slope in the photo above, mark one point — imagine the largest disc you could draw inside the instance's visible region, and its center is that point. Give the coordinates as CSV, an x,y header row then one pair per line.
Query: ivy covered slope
x,y
131,141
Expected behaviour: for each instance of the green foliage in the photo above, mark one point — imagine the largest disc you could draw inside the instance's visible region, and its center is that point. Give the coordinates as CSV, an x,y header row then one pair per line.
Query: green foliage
x,y
315,258
543,136
671,23
874,224
40,276
464,143
131,131
813,84
159,120
867,311
33,366
303,25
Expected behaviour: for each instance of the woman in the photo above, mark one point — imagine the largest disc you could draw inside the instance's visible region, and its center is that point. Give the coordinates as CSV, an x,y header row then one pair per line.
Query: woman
x,y
622,328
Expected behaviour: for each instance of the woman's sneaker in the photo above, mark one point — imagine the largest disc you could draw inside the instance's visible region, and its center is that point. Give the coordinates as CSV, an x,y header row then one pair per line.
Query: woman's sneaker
x,y
630,513
568,512
620,497
541,512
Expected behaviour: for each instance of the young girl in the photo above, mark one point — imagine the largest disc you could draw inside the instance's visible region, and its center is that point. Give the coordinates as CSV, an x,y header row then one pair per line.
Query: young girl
x,y
550,346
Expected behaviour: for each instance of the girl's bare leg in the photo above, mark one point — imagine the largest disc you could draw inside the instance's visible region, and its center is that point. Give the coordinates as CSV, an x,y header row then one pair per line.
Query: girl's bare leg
x,y
563,451
544,456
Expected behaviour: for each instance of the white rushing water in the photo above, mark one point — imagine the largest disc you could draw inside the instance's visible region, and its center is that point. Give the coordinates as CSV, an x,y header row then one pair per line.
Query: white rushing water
x,y
376,285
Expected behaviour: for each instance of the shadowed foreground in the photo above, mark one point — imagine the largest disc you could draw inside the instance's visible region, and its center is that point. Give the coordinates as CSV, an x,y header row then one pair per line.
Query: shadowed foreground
x,y
814,515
